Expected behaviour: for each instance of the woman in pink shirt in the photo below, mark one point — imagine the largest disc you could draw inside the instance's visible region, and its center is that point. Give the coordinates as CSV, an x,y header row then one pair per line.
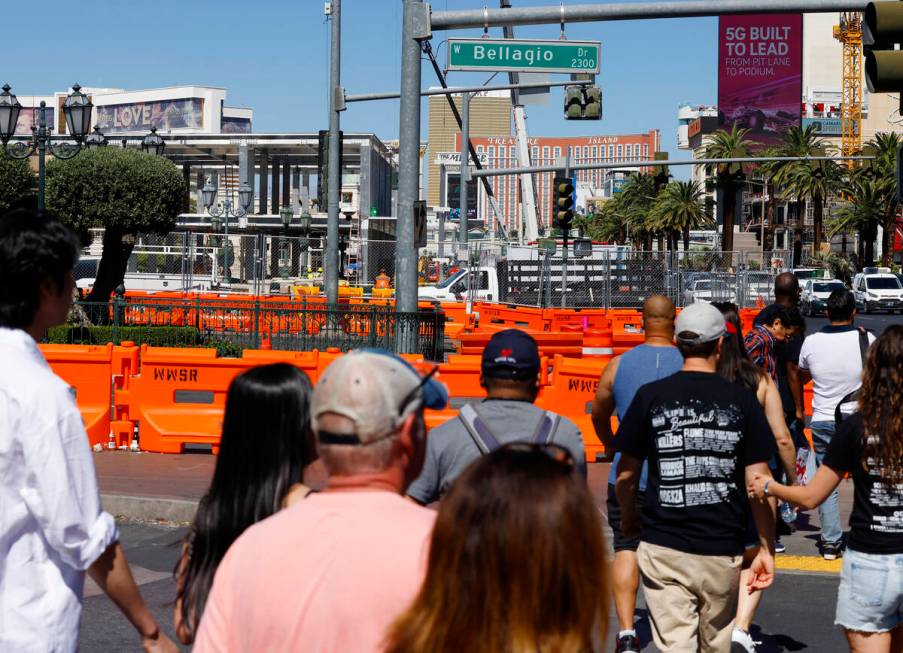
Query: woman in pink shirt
x,y
266,444
517,562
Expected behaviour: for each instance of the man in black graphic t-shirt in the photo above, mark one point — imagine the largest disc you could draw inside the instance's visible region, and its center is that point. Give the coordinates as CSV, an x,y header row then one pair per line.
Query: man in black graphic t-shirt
x,y
704,438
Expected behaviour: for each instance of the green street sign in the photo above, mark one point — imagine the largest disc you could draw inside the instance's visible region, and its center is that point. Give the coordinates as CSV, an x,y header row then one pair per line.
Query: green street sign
x,y
524,56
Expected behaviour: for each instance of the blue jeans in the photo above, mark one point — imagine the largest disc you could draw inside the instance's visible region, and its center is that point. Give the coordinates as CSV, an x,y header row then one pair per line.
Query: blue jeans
x,y
829,511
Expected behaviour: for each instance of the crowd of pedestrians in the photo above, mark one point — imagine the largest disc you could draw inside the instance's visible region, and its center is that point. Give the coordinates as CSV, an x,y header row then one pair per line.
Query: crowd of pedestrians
x,y
513,557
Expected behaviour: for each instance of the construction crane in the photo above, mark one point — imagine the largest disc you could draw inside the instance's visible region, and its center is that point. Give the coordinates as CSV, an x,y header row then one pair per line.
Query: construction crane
x,y
849,33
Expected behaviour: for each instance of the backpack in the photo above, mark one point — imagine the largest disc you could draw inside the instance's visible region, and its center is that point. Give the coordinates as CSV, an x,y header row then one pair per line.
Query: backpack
x,y
853,397
486,441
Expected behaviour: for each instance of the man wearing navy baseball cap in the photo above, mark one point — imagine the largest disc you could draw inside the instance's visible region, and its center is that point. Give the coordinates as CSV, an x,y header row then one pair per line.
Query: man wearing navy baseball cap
x,y
509,372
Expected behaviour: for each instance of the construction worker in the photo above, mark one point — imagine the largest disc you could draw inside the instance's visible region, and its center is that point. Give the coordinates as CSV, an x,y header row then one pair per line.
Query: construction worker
x,y
382,279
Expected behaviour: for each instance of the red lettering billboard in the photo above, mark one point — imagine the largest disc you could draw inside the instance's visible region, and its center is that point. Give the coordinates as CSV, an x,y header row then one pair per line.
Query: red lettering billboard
x,y
760,74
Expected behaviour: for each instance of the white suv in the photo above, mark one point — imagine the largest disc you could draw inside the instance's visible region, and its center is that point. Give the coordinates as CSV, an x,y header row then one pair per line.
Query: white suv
x,y
878,292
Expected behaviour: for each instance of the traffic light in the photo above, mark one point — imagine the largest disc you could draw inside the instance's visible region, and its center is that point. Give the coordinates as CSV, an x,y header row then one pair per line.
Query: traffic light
x,y
563,211
592,103
882,29
573,103
582,103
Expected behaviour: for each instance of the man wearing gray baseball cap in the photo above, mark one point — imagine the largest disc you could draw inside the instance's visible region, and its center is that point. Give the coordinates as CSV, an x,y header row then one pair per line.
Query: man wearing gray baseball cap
x,y
703,437
333,571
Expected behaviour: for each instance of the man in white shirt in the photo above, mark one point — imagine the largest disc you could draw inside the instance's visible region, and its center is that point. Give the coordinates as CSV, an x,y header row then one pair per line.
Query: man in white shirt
x,y
52,528
832,358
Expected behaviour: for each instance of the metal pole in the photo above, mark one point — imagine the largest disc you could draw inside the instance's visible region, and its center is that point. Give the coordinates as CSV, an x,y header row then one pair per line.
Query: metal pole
x,y
465,167
564,235
42,154
330,265
555,14
408,161
455,90
762,225
227,209
639,163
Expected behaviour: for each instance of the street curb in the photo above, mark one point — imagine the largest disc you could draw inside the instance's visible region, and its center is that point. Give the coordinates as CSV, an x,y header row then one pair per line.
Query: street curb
x,y
151,508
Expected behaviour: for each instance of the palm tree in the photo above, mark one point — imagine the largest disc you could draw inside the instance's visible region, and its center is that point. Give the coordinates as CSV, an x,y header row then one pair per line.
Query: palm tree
x,y
634,203
803,181
728,145
679,208
883,171
814,182
861,213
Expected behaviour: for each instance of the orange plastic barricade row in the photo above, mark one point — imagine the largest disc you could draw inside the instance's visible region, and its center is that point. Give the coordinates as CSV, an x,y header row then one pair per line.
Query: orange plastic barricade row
x,y
550,344
747,315
179,396
591,318
627,329
572,387
93,371
807,398
598,343
510,316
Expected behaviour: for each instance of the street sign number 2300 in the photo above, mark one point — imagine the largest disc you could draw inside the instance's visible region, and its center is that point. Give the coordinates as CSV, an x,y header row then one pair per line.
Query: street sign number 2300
x,y
524,55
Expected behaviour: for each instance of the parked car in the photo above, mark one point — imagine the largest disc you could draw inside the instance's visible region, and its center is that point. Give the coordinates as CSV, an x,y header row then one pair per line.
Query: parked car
x,y
813,300
878,292
711,289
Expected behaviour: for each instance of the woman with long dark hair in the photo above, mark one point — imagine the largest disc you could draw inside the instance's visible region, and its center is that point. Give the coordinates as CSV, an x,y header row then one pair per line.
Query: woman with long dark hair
x,y
734,365
517,562
869,446
266,444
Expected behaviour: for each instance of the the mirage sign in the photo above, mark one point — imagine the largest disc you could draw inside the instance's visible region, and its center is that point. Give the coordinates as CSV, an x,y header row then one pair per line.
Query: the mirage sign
x,y
187,113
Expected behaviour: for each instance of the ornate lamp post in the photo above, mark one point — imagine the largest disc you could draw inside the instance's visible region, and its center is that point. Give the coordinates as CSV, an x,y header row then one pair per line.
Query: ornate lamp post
x,y
225,211
77,110
304,221
153,143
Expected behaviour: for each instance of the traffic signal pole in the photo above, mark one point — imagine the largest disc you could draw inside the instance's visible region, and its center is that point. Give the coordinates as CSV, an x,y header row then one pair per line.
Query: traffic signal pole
x,y
418,25
465,170
334,186
564,235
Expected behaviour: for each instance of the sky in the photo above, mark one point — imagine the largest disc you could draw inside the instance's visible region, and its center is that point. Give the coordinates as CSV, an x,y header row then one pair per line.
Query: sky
x,y
272,56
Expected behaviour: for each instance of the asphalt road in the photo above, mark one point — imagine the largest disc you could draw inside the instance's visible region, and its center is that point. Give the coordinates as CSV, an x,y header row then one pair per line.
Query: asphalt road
x,y
875,322
797,613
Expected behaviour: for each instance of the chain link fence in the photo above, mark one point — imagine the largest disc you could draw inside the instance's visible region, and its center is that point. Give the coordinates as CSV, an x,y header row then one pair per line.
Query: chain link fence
x,y
589,276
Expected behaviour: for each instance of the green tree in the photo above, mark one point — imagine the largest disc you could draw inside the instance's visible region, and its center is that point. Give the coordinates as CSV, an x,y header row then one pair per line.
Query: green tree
x,y
728,176
806,181
814,182
16,180
125,192
861,214
883,171
678,209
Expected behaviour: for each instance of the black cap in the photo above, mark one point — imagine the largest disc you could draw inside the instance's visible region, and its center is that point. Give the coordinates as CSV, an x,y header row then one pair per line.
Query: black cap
x,y
511,354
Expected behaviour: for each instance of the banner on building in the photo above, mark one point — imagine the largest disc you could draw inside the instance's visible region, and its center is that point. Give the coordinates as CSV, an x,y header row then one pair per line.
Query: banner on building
x,y
760,74
187,113
232,125
825,126
28,116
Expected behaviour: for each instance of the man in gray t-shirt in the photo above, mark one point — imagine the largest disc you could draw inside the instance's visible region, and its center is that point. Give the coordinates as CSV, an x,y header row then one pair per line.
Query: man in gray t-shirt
x,y
510,375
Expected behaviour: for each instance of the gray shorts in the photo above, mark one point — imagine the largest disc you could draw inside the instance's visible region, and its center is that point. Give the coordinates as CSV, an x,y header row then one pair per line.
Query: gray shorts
x,y
870,596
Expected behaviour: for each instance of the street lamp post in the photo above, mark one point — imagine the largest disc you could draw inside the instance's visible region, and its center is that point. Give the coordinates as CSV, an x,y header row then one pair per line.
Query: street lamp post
x,y
224,211
304,221
77,110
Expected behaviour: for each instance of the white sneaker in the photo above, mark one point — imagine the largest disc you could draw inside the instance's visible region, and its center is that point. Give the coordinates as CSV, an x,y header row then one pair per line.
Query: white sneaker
x,y
741,642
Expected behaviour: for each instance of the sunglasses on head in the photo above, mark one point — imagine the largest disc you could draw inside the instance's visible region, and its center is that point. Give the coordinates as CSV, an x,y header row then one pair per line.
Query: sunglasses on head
x,y
554,451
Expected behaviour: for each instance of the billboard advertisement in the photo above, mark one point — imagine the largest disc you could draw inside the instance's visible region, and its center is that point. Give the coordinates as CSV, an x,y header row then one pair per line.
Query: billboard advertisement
x,y
28,116
232,125
187,113
760,74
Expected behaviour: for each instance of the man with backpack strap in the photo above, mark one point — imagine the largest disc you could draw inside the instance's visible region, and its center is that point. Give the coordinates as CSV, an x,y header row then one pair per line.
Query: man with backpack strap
x,y
510,374
833,359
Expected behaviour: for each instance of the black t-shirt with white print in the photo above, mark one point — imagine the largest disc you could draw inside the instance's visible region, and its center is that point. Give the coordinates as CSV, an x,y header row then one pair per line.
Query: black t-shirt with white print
x,y
876,523
698,432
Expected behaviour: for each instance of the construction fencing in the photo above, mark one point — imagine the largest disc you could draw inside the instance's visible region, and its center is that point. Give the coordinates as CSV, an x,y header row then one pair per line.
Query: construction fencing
x,y
605,277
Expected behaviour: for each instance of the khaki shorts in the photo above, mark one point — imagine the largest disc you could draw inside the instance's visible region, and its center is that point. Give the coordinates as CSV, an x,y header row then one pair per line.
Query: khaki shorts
x,y
692,599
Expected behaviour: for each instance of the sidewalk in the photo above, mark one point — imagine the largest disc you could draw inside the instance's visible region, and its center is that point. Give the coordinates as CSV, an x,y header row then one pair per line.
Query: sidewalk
x,y
166,487
161,487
